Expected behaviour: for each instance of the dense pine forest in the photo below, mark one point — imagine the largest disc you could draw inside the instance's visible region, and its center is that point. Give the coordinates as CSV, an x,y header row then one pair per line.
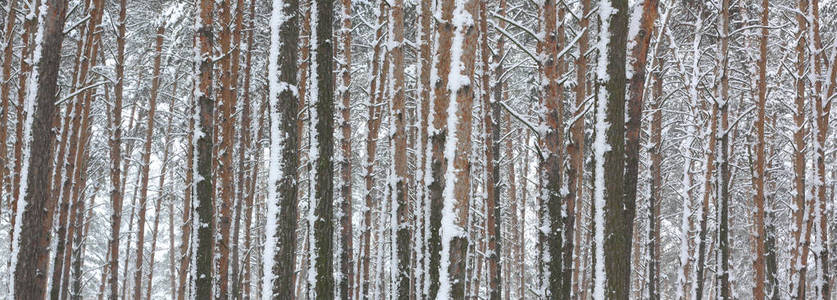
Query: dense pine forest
x,y
418,149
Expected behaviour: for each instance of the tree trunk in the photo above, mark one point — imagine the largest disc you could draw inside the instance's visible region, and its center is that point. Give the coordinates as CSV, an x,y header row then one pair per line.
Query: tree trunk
x,y
656,153
758,177
824,88
723,230
283,188
203,226
228,70
324,187
346,288
253,151
798,268
399,142
612,272
491,123
26,65
32,243
373,123
146,162
450,190
575,149
5,88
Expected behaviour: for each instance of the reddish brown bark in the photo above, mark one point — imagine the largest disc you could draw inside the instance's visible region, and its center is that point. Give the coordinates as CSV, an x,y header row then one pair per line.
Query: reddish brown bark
x,y
758,177
5,87
23,75
346,288
146,163
373,124
32,248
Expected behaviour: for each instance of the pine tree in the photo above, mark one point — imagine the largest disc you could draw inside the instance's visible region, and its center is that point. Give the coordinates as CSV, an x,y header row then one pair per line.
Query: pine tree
x,y
321,202
203,220
282,184
31,244
613,216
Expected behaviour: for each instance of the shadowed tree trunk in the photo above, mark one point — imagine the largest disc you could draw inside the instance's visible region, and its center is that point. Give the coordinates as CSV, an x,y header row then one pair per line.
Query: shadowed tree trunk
x,y
282,188
723,230
575,149
324,165
612,280
654,202
550,165
203,220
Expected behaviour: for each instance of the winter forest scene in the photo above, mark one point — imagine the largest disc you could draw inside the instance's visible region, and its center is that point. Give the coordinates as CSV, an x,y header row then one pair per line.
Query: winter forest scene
x,y
418,149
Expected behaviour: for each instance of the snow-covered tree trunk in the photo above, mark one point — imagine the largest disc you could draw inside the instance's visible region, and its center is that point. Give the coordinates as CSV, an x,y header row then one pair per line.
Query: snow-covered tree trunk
x,y
612,217
30,247
575,148
322,150
373,123
491,123
457,37
758,176
398,181
346,237
282,191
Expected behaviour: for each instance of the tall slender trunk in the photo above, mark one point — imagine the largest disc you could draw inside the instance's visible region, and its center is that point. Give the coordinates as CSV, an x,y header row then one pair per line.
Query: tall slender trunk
x,y
26,64
575,149
758,177
5,88
323,209
246,157
723,230
450,189
115,142
491,123
798,268
399,184
31,244
824,87
614,218
146,162
551,117
228,71
654,202
346,289
641,41
203,222
373,123
186,250
235,189
282,188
